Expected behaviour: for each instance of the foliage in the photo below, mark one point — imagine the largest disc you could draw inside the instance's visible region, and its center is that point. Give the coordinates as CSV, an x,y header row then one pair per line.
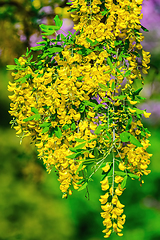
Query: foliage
x,y
20,24
78,105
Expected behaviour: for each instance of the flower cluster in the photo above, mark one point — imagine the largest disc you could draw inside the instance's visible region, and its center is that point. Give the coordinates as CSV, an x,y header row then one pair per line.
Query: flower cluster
x,y
113,209
77,102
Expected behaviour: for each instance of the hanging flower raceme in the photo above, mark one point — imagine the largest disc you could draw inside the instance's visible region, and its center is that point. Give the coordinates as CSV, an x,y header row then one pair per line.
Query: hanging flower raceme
x,y
77,102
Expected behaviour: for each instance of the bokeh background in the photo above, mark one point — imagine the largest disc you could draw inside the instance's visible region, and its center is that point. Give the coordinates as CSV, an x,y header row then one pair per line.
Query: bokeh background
x,y
31,207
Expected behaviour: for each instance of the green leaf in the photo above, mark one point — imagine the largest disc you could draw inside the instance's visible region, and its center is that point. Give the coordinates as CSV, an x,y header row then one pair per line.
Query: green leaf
x,y
109,62
144,29
139,111
125,137
119,173
45,55
28,118
94,43
137,91
79,140
45,129
22,79
37,48
28,52
34,110
48,33
134,141
136,54
48,29
81,107
73,156
127,73
110,172
80,78
141,98
80,146
45,27
65,127
129,123
121,97
125,55
113,86
96,152
123,184
120,58
58,132
79,168
104,12
108,135
108,71
42,42
54,49
94,139
104,87
97,48
133,175
83,186
89,51
89,40
73,126
98,129
58,22
116,43
16,61
11,67
37,117
45,124
99,106
119,71
80,52
63,38
89,161
72,10
33,117
88,103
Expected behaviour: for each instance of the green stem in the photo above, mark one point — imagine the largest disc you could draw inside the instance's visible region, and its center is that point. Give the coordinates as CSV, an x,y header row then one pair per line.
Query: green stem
x,y
113,160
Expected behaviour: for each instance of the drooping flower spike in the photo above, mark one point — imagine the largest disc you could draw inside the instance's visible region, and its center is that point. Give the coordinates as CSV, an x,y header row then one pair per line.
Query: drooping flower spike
x,y
77,101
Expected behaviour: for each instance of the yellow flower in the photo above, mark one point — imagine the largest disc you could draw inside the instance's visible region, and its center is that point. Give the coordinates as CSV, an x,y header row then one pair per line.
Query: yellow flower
x,y
146,115
106,168
91,114
133,102
91,155
107,234
114,200
39,145
121,166
132,110
107,208
118,192
105,187
77,116
104,198
118,179
119,205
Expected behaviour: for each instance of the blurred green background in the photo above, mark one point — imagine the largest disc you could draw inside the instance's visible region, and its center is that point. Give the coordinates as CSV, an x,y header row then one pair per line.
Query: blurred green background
x,y
31,207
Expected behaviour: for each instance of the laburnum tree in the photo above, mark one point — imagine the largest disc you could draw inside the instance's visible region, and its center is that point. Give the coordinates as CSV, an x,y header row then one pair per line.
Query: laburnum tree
x,y
78,104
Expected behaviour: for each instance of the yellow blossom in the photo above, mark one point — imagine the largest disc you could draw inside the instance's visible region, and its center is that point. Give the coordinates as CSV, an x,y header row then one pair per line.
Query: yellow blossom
x,y
106,168
146,115
121,166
